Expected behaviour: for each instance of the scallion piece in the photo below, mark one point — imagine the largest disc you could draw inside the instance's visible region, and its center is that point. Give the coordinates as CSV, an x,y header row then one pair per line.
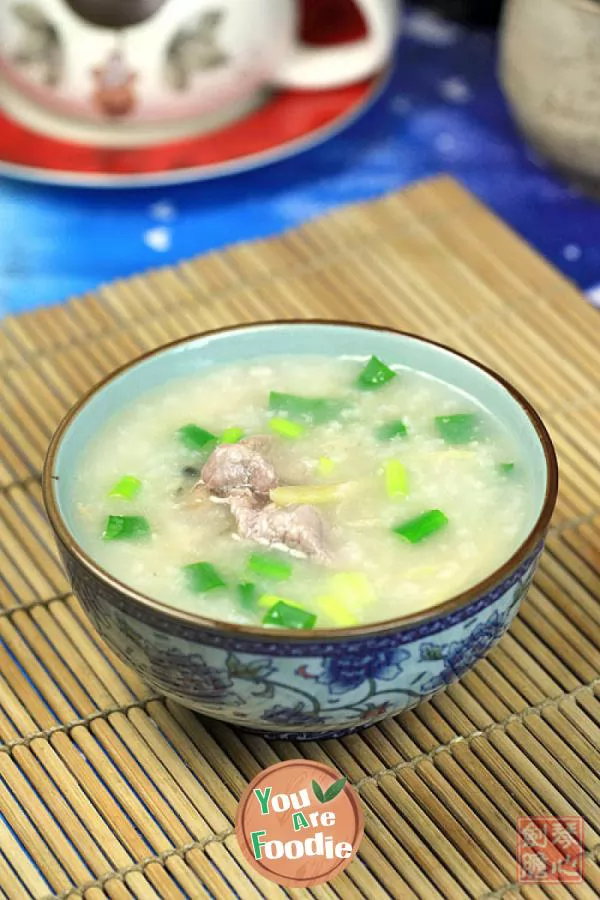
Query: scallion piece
x,y
352,589
374,375
269,566
315,410
335,610
126,488
421,527
202,577
286,616
506,468
126,528
461,428
195,438
269,600
248,595
396,479
325,465
391,430
286,428
232,435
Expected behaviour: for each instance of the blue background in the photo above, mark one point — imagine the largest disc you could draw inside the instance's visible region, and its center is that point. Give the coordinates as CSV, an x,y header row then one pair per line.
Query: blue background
x,y
442,111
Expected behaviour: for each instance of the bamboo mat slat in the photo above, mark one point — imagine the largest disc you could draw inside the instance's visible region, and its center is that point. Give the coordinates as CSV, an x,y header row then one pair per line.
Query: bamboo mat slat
x,y
108,791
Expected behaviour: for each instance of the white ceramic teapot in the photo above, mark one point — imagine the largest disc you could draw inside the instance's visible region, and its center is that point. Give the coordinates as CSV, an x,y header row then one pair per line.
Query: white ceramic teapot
x,y
123,72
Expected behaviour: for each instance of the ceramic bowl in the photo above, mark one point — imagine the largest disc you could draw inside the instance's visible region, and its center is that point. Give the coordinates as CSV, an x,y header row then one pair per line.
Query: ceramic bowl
x,y
290,684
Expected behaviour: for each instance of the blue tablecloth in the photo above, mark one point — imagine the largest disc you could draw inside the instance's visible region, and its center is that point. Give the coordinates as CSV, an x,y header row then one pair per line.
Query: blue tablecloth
x,y
442,111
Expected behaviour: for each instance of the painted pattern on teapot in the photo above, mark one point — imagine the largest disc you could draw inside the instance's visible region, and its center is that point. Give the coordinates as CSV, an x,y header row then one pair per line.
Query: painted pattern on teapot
x,y
39,50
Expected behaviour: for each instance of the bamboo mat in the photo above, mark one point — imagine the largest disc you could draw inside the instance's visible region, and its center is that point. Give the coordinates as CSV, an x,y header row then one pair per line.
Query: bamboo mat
x,y
108,791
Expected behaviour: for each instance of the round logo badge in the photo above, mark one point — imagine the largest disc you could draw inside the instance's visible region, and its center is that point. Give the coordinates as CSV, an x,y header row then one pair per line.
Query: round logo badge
x,y
299,823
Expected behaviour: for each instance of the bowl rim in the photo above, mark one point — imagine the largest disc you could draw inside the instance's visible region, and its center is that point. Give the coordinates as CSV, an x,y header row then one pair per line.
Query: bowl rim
x,y
399,623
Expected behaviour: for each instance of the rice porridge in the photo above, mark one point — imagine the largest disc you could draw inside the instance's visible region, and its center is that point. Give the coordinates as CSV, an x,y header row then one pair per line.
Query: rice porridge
x,y
302,492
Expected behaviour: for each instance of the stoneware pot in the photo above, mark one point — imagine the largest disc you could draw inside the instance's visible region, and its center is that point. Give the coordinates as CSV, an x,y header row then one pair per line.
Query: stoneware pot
x,y
550,71
290,684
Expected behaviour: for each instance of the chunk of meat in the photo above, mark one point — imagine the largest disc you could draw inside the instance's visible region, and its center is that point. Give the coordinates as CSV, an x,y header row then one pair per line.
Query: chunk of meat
x,y
298,527
261,443
289,470
234,466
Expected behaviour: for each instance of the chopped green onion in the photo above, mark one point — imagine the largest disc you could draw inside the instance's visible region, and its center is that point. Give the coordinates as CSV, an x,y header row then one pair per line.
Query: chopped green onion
x,y
269,600
422,526
352,589
335,610
125,528
458,429
315,410
126,488
195,438
202,577
248,595
374,375
505,468
287,428
391,430
289,495
287,616
269,566
396,479
325,465
232,435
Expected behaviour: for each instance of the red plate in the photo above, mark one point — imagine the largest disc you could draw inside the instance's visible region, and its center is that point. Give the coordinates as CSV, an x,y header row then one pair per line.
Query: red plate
x,y
289,122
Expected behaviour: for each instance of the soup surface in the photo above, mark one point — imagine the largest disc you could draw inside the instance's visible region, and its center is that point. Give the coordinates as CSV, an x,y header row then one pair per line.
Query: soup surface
x,y
302,492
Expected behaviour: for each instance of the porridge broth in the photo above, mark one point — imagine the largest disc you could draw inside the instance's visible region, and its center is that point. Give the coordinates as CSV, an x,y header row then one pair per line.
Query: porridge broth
x,y
426,494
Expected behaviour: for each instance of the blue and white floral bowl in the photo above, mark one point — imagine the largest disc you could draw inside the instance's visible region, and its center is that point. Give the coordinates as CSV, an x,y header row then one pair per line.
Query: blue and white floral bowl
x,y
288,684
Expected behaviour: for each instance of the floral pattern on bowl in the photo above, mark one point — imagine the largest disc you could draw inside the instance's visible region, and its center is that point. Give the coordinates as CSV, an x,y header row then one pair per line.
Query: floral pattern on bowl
x,y
297,689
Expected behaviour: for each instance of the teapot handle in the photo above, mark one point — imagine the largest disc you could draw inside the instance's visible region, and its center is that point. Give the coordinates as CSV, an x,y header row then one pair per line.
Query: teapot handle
x,y
330,67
